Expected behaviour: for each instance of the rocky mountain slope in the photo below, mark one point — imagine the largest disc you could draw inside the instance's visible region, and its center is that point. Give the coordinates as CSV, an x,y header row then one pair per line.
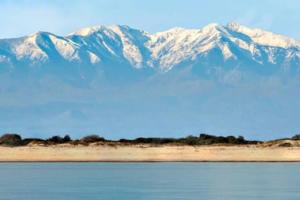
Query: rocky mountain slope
x,y
232,46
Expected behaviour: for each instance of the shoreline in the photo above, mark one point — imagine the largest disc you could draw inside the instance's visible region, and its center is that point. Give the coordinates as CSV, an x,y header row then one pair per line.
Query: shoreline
x,y
192,161
146,153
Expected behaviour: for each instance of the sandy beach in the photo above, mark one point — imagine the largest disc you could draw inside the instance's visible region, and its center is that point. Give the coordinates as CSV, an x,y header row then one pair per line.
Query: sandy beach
x,y
136,153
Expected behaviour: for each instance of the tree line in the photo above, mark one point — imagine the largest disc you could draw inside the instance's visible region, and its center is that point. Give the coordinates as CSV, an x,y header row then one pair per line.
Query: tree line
x,y
202,139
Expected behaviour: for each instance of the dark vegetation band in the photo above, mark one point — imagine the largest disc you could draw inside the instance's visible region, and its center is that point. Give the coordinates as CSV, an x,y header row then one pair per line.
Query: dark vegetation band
x,y
202,139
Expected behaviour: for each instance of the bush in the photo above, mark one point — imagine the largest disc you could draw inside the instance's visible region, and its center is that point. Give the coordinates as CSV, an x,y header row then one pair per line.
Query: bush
x,y
203,139
26,141
67,138
211,139
91,139
59,140
125,140
191,140
152,140
241,140
11,140
204,136
285,144
231,140
296,137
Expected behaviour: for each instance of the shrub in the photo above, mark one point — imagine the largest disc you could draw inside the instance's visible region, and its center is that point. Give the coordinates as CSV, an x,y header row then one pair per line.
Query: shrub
x,y
11,140
152,140
59,140
296,137
67,138
191,140
26,141
91,139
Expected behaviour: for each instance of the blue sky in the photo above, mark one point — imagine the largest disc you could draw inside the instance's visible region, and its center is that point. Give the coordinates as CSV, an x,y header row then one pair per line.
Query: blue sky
x,y
21,17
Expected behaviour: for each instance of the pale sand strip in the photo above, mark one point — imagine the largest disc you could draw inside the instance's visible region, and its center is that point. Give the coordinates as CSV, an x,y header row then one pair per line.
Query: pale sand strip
x,y
144,153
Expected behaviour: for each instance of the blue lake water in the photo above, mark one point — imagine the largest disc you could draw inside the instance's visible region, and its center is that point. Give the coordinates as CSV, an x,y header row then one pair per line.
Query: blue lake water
x,y
158,181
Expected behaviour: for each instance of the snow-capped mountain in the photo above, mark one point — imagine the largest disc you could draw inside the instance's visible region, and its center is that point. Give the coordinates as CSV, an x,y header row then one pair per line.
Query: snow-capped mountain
x,y
232,45
116,79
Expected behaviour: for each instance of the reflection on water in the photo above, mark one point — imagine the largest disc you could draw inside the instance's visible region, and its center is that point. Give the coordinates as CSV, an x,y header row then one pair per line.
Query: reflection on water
x,y
159,181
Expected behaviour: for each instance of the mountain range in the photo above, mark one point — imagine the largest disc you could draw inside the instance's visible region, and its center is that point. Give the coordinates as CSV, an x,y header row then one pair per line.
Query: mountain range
x,y
214,46
122,82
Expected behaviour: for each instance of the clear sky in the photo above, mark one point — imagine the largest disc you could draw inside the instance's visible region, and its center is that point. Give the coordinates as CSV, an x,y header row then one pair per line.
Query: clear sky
x,y
21,17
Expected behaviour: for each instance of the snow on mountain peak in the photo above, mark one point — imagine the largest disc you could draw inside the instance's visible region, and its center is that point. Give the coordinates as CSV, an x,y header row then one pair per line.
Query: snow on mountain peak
x,y
177,45
162,50
27,48
233,25
211,26
264,37
87,31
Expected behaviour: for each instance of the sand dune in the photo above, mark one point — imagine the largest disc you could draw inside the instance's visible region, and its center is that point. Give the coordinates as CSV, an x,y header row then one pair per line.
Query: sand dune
x,y
149,153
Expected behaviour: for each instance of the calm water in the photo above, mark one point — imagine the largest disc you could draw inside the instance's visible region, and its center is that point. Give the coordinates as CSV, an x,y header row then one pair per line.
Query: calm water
x,y
157,181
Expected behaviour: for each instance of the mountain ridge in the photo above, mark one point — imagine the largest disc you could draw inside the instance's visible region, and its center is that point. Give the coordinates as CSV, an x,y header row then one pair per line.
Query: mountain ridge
x,y
213,45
